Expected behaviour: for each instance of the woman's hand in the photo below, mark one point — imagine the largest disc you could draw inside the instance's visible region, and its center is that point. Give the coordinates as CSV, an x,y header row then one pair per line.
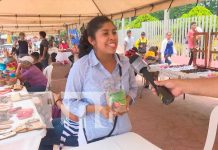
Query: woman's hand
x,y
57,99
128,102
104,111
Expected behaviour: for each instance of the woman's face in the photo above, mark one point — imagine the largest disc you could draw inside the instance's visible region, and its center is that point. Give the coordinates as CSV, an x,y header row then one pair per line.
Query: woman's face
x,y
169,36
106,39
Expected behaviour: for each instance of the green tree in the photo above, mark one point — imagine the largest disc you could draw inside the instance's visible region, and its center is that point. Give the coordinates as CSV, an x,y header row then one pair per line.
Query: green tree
x,y
179,11
137,23
211,5
159,15
197,11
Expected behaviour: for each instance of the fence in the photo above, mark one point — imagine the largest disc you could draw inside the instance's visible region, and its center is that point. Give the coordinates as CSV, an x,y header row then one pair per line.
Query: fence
x,y
155,31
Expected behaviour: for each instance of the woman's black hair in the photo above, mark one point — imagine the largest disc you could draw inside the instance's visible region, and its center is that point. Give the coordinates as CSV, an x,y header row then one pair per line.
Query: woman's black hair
x,y
93,26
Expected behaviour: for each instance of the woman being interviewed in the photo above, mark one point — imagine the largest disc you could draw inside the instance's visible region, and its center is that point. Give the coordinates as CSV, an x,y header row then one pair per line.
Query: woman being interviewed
x,y
100,71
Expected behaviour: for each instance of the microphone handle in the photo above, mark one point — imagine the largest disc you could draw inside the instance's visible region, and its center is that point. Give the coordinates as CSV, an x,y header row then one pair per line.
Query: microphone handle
x,y
165,95
148,76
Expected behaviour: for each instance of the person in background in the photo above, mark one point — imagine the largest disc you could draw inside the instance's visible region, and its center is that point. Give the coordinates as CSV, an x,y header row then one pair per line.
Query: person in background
x,y
7,57
63,46
22,46
152,55
98,65
14,50
62,134
167,48
141,44
48,70
191,42
129,41
51,42
35,56
44,56
30,75
57,135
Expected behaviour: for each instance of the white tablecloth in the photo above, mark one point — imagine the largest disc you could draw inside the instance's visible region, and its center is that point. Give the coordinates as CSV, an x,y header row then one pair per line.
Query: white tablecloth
x,y
127,141
63,56
24,141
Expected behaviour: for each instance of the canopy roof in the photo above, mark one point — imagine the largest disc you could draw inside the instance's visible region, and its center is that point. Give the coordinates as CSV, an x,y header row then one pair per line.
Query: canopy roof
x,y
35,15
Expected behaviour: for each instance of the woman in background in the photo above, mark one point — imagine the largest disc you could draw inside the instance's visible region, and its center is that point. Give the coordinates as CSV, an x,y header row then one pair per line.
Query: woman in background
x,y
167,48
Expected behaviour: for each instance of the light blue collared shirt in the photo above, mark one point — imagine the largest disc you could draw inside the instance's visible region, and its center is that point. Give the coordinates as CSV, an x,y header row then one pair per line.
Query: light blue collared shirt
x,y
85,86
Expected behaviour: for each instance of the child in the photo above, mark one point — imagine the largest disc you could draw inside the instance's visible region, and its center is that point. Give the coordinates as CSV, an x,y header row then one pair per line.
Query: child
x,y
151,55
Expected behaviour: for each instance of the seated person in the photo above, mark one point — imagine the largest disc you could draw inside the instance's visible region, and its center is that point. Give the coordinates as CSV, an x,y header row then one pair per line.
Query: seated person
x,y
48,70
63,46
30,75
151,56
35,56
7,57
65,132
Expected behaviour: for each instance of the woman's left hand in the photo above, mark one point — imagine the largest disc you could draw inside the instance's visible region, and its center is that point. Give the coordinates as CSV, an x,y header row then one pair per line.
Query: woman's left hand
x,y
128,100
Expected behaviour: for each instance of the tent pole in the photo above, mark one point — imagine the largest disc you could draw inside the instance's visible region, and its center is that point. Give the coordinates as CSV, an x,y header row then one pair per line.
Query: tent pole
x,y
166,18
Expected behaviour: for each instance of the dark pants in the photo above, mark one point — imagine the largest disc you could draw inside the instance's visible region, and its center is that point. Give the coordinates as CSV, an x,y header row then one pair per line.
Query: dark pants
x,y
34,88
191,57
53,136
44,63
167,60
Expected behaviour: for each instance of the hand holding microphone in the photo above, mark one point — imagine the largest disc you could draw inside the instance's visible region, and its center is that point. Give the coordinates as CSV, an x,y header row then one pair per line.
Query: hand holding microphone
x,y
141,67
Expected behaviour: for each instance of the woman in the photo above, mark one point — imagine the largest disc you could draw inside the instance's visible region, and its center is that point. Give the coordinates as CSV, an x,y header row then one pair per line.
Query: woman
x,y
167,48
87,84
63,46
30,75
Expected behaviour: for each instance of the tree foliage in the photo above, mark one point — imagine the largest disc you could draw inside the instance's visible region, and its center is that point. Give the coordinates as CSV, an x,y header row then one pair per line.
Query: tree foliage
x,y
197,11
211,5
137,23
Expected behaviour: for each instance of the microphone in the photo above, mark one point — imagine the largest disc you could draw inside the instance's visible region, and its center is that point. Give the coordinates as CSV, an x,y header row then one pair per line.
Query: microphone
x,y
140,66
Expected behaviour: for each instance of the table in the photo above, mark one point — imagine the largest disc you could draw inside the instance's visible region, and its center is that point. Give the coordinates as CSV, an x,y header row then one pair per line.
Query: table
x,y
175,73
63,56
127,141
24,141
22,92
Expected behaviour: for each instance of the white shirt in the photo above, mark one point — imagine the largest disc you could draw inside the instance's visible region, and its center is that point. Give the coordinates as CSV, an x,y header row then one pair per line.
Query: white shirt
x,y
85,86
129,42
47,72
163,47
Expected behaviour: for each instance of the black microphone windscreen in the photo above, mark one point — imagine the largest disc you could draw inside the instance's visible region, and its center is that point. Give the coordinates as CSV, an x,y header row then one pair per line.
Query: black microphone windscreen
x,y
133,58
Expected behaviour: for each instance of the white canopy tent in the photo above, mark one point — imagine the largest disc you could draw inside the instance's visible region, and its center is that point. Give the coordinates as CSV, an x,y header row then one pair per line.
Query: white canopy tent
x,y
54,15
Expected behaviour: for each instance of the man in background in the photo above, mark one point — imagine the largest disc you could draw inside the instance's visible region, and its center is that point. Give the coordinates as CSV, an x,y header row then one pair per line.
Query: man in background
x,y
128,41
44,56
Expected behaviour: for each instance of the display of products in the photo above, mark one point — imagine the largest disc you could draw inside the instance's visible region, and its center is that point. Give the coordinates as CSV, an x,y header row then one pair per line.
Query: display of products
x,y
194,70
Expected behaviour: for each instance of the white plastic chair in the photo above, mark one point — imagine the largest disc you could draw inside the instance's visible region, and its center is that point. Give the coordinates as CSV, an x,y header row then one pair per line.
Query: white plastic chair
x,y
212,129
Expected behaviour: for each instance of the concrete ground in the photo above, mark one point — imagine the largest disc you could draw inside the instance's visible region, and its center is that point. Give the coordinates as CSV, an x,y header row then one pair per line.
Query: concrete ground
x,y
182,125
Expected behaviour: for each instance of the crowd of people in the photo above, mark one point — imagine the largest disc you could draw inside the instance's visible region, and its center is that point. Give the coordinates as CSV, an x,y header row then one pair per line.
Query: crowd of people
x,y
32,66
166,49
